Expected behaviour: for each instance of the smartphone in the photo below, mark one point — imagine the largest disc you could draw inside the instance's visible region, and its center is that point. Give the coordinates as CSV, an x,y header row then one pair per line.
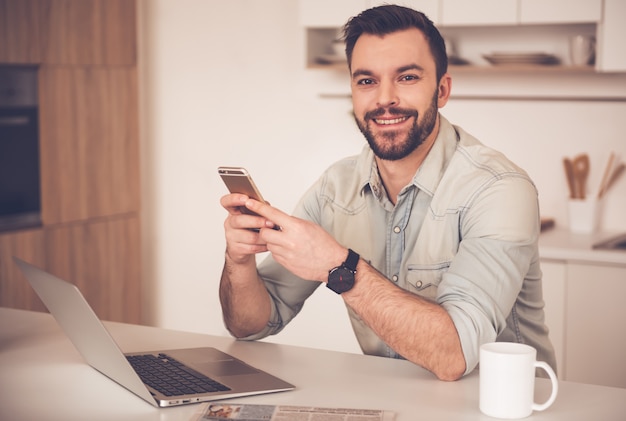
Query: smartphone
x,y
238,180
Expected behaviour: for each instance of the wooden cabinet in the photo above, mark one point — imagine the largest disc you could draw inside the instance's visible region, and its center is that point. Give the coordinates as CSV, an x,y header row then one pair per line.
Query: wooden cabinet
x,y
89,142
80,32
89,151
20,31
100,256
76,32
29,245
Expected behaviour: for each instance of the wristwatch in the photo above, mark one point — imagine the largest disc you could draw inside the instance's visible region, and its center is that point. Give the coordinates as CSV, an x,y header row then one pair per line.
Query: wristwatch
x,y
341,278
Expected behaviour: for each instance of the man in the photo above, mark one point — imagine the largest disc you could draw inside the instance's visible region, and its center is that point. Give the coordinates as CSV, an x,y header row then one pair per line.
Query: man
x,y
429,236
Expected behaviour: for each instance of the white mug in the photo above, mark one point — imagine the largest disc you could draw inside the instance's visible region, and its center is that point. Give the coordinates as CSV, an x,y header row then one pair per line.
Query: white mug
x,y
582,49
507,380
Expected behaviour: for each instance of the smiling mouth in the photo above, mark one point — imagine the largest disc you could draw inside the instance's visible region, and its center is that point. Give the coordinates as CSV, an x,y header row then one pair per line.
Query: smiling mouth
x,y
390,121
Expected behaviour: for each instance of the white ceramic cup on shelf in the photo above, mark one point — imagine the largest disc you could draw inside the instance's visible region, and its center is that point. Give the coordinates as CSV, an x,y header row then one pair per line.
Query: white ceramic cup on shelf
x,y
582,49
507,380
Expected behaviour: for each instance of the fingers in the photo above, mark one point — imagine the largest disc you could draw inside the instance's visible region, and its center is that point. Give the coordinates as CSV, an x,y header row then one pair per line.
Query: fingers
x,y
234,203
241,229
237,204
273,215
242,240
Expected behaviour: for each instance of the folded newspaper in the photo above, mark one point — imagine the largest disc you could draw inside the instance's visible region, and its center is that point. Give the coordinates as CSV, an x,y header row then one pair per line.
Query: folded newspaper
x,y
245,412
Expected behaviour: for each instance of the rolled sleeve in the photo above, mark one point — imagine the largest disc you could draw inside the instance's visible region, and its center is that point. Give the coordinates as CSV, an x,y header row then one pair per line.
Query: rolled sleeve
x,y
287,292
485,277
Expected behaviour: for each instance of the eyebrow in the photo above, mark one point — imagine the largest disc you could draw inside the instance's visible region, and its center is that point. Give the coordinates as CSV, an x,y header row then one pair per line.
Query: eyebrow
x,y
402,69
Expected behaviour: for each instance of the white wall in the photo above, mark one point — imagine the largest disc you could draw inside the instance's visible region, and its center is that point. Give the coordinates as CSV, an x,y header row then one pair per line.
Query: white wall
x,y
223,83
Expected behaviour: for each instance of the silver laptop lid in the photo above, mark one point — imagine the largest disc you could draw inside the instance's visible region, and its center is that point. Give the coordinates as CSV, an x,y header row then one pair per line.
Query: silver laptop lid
x,y
69,307
65,302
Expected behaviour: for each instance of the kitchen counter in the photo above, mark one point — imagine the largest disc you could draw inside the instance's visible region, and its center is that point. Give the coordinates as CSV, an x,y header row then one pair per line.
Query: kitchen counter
x,y
562,244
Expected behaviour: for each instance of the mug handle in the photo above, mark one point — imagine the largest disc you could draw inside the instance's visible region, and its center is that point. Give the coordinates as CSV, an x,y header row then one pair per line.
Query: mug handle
x,y
555,386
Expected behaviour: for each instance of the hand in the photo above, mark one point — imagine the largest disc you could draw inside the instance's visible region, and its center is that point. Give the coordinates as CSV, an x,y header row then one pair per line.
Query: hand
x,y
242,229
301,246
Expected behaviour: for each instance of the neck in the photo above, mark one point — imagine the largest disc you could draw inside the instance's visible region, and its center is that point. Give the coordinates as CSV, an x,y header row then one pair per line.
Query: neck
x,y
396,175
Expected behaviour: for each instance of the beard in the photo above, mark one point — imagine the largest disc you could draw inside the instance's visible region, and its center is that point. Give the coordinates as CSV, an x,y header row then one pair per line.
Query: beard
x,y
390,145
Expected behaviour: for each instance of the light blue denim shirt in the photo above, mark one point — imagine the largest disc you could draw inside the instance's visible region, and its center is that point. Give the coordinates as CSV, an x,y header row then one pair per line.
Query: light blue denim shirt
x,y
463,233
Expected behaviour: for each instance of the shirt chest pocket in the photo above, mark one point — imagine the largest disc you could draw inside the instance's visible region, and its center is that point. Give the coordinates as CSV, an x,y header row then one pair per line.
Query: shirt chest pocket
x,y
424,280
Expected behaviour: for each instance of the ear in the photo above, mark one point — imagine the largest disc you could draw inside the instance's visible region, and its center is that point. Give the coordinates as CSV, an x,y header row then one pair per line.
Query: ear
x,y
444,88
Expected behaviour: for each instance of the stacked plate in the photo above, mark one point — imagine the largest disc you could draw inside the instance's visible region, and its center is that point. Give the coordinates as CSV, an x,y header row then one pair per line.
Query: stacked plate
x,y
530,58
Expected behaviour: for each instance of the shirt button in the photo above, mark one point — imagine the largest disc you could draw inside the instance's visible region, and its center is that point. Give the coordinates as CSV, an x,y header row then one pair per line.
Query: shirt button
x,y
376,190
394,278
419,284
396,229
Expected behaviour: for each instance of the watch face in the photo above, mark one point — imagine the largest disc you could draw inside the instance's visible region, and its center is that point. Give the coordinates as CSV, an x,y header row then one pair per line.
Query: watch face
x,y
340,280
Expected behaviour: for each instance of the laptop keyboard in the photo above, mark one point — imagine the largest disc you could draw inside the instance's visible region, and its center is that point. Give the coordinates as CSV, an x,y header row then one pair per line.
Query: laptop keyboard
x,y
171,377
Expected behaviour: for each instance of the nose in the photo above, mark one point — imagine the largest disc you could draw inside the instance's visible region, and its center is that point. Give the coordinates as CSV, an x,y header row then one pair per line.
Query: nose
x,y
387,95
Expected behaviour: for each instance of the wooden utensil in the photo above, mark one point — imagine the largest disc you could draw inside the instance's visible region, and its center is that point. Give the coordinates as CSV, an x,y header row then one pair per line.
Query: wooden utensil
x,y
569,175
580,165
614,176
606,176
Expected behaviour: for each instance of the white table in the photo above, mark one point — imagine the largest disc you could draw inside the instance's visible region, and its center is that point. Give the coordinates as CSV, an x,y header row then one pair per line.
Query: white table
x,y
42,377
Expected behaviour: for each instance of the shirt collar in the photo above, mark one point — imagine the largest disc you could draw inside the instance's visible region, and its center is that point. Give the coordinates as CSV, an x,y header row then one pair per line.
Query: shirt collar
x,y
429,173
368,173
432,169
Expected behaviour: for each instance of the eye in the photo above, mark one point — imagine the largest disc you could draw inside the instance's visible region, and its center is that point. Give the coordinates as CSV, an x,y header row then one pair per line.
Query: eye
x,y
365,81
409,78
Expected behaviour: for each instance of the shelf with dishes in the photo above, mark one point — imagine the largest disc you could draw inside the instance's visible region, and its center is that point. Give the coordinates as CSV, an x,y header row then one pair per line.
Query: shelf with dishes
x,y
523,68
518,62
505,61
543,49
514,61
338,63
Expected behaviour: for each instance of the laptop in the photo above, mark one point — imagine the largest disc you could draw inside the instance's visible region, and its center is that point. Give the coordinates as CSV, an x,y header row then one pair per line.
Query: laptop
x,y
201,374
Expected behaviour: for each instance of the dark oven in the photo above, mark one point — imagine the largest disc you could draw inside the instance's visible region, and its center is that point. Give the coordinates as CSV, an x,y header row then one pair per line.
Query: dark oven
x,y
20,204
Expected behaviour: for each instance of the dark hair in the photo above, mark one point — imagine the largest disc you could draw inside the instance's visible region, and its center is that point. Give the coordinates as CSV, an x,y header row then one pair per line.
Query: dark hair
x,y
386,19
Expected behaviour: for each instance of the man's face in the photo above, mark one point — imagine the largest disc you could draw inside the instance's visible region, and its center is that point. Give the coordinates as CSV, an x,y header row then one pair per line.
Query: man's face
x,y
394,92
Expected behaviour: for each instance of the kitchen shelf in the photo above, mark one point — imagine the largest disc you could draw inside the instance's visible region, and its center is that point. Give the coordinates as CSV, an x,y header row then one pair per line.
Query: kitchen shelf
x,y
522,69
476,43
545,69
501,97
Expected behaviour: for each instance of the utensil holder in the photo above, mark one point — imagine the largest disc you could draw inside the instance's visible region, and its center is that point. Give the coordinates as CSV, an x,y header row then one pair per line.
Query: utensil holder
x,y
584,215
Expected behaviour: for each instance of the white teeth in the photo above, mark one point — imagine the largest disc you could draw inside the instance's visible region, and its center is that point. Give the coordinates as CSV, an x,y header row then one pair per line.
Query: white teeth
x,y
394,121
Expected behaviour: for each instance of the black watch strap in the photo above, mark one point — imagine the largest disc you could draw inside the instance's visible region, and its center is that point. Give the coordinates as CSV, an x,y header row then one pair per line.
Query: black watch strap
x,y
351,261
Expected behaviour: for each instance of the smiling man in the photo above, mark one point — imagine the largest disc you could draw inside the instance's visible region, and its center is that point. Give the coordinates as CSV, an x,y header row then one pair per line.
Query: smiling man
x,y
429,236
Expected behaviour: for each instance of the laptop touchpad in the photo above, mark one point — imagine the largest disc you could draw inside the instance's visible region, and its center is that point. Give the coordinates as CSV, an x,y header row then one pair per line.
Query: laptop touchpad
x,y
226,368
